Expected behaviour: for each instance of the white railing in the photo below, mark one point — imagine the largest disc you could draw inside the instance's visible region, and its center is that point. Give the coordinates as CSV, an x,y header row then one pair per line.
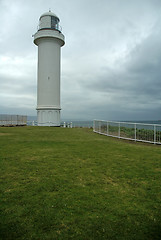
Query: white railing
x,y
12,120
150,133
67,124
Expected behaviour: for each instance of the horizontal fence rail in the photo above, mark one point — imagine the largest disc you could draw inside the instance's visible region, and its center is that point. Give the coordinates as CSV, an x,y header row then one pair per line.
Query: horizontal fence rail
x,y
150,133
67,124
12,120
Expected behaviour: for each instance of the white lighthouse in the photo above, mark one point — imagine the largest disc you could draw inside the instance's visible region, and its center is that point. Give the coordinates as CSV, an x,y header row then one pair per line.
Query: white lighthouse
x,y
49,40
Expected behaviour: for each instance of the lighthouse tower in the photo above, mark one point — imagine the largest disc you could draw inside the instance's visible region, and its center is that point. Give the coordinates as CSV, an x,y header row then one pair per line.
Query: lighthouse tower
x,y
49,40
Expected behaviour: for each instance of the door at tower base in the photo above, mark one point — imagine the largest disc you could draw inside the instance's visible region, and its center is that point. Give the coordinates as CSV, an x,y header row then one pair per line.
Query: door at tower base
x,y
48,118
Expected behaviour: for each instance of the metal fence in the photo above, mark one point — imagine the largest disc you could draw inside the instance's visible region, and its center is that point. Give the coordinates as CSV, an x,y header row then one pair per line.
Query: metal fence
x,y
67,124
150,133
12,120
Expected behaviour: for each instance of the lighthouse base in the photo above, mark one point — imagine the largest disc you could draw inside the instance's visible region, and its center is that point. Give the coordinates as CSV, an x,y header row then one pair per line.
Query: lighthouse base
x,y
48,117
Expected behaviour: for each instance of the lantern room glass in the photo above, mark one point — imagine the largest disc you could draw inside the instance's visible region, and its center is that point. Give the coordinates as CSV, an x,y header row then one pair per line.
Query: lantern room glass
x,y
54,23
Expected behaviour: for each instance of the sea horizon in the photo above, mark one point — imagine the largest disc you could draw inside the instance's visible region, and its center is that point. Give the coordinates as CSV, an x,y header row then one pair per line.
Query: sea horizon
x,y
89,123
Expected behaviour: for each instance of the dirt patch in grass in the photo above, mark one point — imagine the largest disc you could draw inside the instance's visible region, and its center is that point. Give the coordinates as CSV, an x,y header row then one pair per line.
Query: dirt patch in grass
x,y
5,134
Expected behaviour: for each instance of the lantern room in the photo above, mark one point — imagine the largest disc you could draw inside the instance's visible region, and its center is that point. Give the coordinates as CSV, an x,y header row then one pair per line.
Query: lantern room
x,y
49,20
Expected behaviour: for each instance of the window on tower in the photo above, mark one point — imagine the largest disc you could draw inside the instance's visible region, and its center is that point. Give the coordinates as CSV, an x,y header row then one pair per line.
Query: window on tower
x,y
54,23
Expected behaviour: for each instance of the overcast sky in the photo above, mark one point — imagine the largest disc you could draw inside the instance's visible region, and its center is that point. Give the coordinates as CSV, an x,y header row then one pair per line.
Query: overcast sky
x,y
111,61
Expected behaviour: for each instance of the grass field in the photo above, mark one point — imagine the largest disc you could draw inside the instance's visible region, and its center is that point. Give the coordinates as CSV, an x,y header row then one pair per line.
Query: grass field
x,y
61,183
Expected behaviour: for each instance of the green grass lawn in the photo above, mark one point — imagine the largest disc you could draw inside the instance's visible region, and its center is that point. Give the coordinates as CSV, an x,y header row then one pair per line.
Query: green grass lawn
x,y
61,183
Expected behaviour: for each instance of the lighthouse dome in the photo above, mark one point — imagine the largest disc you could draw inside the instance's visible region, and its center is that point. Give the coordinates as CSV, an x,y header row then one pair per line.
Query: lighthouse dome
x,y
49,14
49,20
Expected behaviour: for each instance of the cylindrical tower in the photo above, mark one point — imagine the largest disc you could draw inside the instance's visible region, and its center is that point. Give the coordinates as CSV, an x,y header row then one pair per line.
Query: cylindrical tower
x,y
49,40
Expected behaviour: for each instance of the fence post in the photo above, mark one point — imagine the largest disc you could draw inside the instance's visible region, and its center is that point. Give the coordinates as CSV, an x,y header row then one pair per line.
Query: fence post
x,y
99,128
107,128
154,134
119,131
135,132
93,125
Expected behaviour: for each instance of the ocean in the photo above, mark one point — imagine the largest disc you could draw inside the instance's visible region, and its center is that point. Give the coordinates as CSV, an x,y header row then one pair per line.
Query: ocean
x,y
85,123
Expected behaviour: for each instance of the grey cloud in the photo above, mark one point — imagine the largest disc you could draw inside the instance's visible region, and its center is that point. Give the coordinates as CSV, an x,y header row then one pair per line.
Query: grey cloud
x,y
139,75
